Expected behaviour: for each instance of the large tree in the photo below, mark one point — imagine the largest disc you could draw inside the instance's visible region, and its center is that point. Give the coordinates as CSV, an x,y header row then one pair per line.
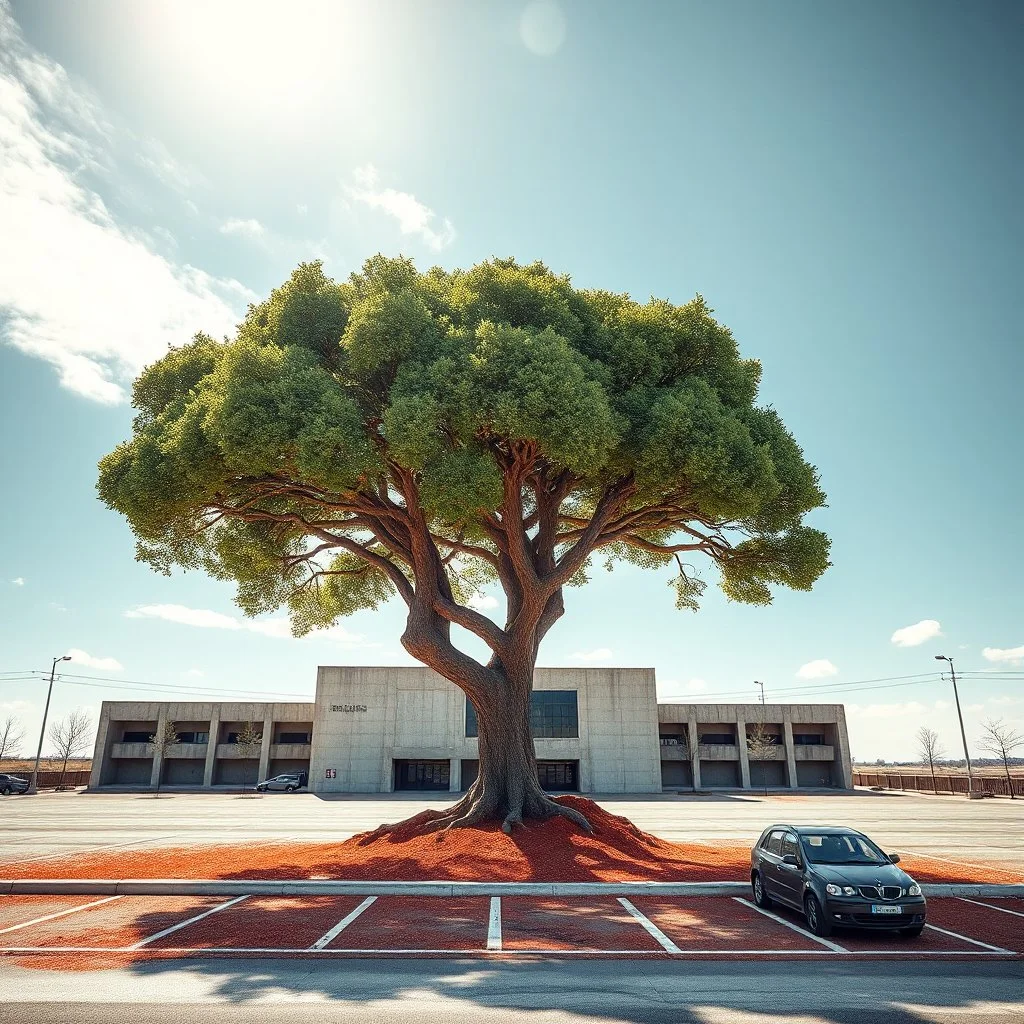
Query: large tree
x,y
428,434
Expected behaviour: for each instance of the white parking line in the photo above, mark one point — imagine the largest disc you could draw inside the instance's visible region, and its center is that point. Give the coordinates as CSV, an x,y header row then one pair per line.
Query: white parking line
x,y
464,953
652,929
342,924
958,863
967,938
191,920
991,906
828,944
60,913
494,924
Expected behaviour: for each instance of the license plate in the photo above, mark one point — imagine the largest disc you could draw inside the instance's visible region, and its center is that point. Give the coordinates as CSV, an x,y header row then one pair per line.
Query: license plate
x,y
876,909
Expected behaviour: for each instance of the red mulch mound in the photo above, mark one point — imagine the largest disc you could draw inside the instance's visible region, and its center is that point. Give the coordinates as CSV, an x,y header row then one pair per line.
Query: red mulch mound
x,y
551,851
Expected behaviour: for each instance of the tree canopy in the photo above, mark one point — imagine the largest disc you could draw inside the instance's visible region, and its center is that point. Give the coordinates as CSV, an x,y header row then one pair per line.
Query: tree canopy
x,y
513,424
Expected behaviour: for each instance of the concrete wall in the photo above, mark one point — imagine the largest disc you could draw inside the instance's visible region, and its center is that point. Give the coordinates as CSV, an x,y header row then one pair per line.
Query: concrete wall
x,y
367,718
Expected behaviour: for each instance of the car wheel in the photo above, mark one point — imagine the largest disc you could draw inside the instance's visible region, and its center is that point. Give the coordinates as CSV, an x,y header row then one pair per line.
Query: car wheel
x,y
817,922
761,897
290,789
6,791
912,932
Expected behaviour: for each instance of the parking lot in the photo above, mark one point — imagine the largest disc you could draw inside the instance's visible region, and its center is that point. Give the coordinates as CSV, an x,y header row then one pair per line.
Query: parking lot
x,y
96,929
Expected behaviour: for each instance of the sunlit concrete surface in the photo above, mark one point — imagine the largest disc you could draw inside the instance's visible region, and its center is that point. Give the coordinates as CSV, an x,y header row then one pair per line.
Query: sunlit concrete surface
x,y
58,824
538,992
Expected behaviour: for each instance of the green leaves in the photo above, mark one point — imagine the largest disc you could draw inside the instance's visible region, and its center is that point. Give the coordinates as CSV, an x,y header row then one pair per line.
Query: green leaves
x,y
334,402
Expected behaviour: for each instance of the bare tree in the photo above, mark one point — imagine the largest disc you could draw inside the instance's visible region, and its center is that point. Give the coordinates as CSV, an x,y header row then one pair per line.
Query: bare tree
x,y
929,749
163,739
70,737
250,741
999,739
761,747
11,737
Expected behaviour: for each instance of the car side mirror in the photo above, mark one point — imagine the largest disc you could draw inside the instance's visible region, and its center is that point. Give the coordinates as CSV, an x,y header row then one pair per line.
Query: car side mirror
x,y
894,858
790,858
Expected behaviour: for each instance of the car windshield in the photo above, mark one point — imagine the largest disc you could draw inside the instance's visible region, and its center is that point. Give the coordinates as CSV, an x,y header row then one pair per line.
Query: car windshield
x,y
841,849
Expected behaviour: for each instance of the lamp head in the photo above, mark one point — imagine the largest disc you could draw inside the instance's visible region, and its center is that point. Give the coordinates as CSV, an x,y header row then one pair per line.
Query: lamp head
x,y
67,657
941,657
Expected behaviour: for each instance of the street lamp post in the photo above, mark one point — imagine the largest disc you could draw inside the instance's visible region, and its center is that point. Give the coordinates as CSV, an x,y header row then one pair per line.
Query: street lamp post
x,y
757,683
33,785
963,735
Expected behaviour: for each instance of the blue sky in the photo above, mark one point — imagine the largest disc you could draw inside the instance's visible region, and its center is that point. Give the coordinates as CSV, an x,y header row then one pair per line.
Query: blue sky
x,y
840,181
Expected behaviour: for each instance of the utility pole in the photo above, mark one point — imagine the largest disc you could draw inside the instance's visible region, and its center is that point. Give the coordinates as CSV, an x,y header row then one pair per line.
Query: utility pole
x,y
32,786
756,683
963,735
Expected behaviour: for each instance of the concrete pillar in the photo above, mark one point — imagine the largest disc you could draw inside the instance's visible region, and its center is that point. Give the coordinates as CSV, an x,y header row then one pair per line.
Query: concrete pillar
x,y
843,762
787,739
268,736
158,750
101,752
211,746
694,745
741,742
454,774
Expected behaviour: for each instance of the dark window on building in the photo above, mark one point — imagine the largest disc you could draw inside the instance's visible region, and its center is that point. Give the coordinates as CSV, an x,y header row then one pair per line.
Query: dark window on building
x,y
232,737
727,738
557,776
293,737
807,739
553,713
134,736
193,737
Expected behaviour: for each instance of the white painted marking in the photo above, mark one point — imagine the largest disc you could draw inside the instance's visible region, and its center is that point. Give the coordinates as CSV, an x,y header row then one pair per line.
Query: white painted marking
x,y
60,913
827,943
651,928
342,924
780,955
191,920
494,924
991,906
966,938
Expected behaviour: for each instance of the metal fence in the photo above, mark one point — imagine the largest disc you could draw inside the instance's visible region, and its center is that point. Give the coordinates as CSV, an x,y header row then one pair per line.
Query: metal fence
x,y
941,783
50,779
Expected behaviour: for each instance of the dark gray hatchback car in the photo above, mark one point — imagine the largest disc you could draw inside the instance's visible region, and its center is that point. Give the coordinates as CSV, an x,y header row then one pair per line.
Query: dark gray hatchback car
x,y
836,877
12,784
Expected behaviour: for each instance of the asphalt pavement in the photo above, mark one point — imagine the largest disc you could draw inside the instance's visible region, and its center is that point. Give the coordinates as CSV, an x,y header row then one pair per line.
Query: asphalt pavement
x,y
535,992
59,824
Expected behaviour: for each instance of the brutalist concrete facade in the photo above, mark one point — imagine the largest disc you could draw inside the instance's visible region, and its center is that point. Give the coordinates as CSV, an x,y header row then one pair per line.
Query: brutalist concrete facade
x,y
373,730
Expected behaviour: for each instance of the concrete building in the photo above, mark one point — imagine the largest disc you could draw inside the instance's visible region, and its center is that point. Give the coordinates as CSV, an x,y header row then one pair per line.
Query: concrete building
x,y
374,730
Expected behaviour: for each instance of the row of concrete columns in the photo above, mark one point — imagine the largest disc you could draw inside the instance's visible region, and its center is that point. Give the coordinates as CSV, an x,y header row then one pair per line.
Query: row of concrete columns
x,y
211,748
741,742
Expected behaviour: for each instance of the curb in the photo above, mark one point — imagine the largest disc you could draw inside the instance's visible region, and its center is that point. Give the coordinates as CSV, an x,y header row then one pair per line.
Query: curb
x,y
262,887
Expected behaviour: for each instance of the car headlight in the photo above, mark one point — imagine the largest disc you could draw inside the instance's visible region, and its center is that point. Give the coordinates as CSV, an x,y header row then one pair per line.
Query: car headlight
x,y
914,890
848,890
833,890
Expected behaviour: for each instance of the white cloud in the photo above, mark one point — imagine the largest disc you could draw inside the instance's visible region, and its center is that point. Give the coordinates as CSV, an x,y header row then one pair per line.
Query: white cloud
x,y
542,27
206,619
194,673
302,209
598,654
1012,655
57,606
77,288
414,218
161,163
18,581
482,602
83,658
917,634
237,226
817,669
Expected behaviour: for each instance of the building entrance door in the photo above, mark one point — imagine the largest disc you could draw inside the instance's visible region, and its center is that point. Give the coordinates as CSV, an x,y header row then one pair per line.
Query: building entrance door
x,y
422,774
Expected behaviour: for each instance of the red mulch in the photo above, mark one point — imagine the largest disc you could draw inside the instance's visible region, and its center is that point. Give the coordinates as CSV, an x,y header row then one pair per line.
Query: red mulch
x,y
552,851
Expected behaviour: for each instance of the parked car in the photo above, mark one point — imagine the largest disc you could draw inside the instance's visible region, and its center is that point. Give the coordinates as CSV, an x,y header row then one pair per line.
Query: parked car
x,y
12,784
837,877
287,783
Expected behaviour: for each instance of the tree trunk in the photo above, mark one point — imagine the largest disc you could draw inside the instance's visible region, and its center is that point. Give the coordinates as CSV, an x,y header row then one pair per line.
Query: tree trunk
x,y
506,788
1009,777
